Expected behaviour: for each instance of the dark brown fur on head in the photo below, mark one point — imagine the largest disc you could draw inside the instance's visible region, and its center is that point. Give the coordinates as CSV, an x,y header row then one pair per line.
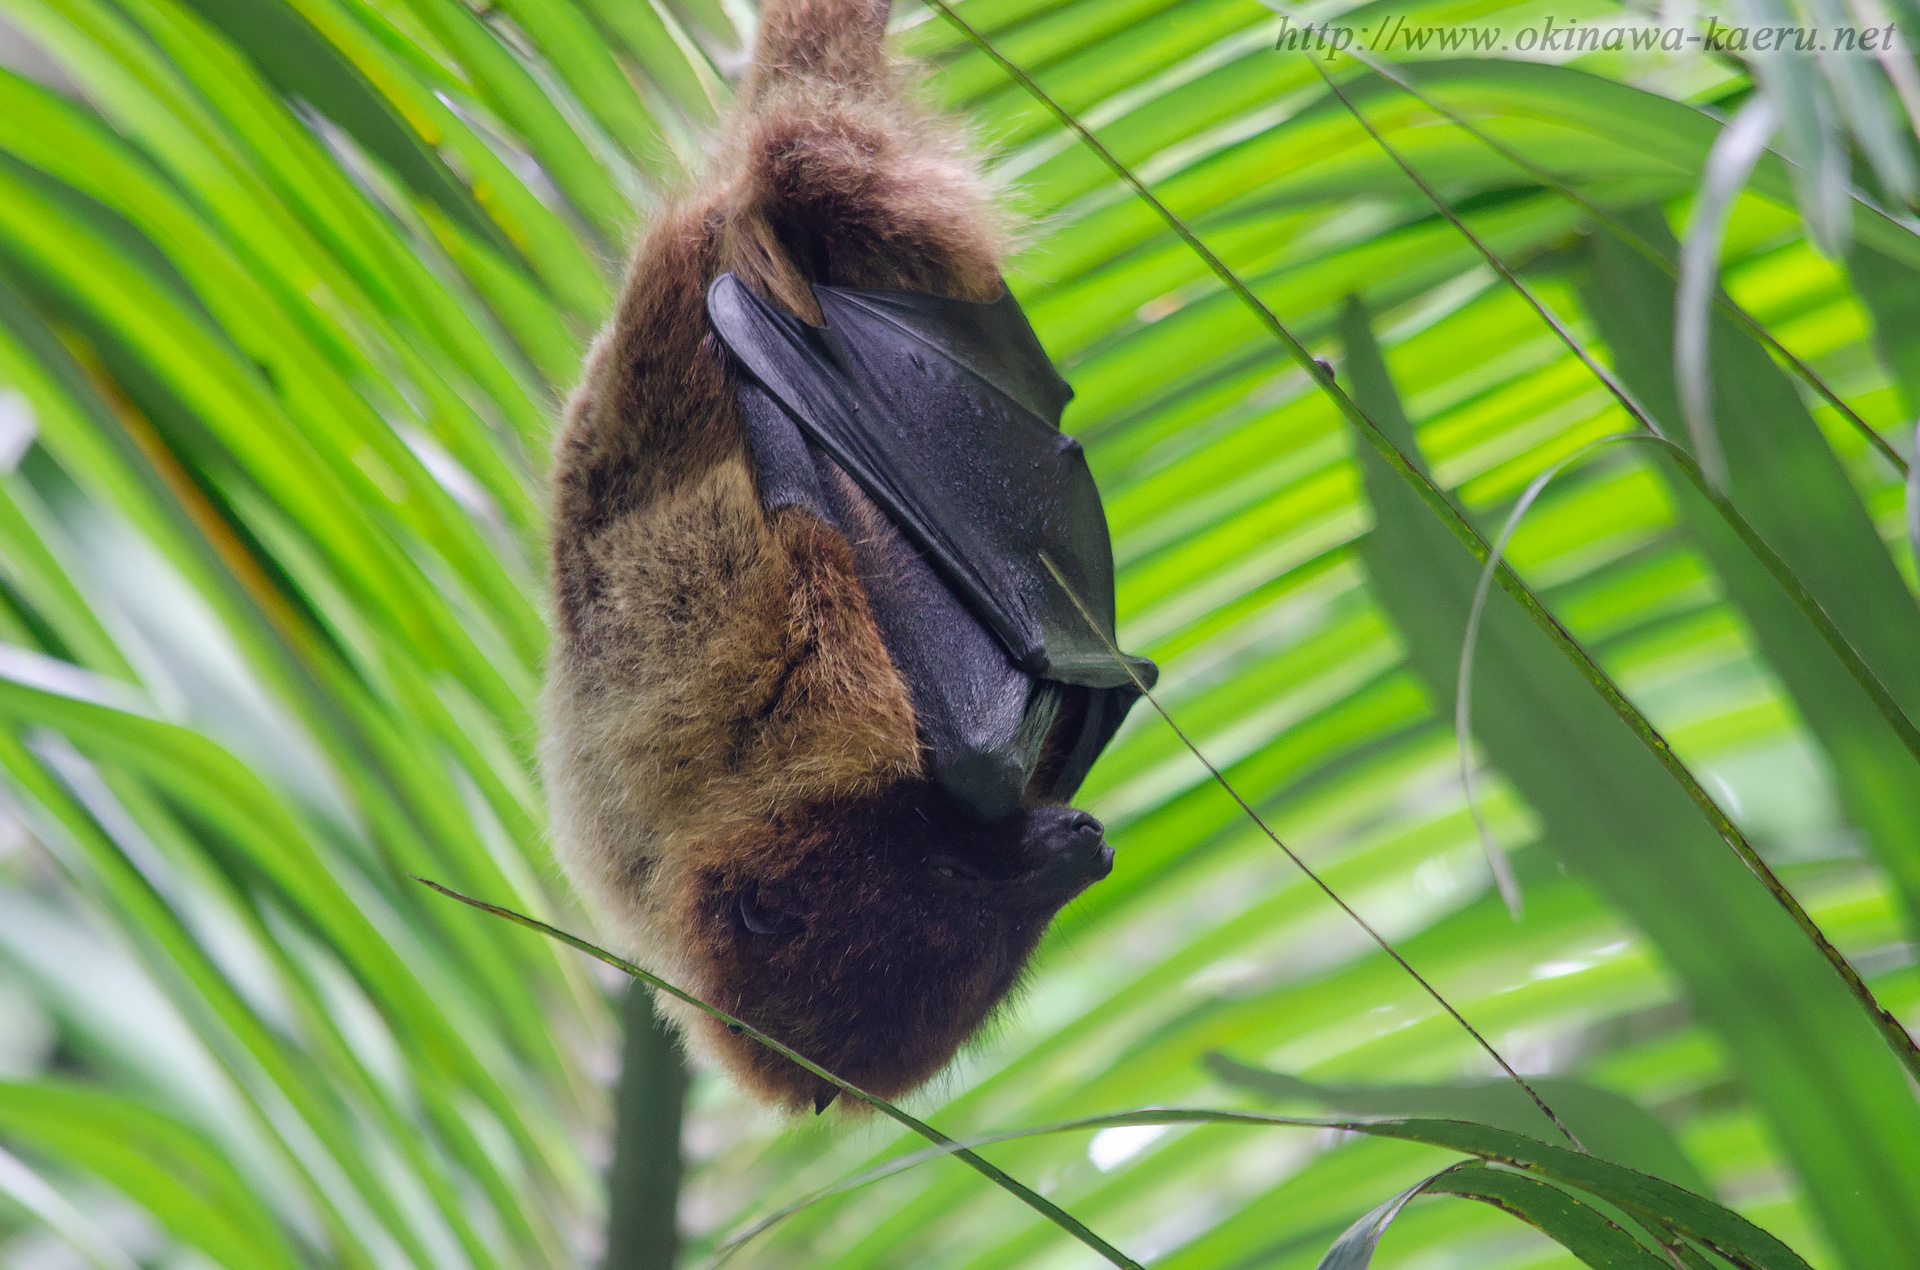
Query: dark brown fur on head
x,y
726,736
875,937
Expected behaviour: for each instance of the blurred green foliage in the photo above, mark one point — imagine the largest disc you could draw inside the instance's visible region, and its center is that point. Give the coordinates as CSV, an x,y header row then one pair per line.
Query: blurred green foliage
x,y
289,293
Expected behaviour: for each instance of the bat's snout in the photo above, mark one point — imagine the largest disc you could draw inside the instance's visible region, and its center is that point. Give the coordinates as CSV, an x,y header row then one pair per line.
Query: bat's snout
x,y
1073,850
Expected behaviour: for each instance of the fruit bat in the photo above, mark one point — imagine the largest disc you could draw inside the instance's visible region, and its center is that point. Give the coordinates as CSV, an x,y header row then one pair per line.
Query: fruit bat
x,y
816,704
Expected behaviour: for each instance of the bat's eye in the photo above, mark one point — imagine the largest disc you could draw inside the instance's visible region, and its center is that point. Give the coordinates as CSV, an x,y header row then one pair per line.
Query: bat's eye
x,y
948,869
762,922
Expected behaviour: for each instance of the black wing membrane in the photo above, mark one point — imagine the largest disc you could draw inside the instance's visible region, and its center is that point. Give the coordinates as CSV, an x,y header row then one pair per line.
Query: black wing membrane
x,y
946,413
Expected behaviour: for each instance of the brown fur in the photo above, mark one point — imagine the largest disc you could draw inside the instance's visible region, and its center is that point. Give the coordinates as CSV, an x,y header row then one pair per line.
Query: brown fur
x,y
722,717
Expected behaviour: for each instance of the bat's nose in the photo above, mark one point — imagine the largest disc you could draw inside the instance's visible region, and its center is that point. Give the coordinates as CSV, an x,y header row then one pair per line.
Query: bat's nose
x,y
1073,850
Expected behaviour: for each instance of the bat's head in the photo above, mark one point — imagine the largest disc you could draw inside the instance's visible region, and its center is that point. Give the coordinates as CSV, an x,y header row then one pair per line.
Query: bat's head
x,y
876,936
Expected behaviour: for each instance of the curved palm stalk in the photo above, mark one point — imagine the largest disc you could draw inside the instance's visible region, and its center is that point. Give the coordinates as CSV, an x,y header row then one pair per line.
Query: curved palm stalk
x,y
643,1183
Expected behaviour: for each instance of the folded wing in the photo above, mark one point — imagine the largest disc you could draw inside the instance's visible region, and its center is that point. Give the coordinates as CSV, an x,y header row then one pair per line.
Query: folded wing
x,y
945,413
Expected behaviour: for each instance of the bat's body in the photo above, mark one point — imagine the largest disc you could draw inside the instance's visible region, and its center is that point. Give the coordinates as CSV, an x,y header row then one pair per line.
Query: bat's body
x,y
798,766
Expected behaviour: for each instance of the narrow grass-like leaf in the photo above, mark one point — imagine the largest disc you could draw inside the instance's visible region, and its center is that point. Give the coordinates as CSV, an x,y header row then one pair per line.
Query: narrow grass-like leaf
x,y
1556,1213
1812,138
1355,1248
1729,164
1363,361
1610,1126
644,33
176,85
1864,106
226,794
300,62
578,53
162,1165
518,230
508,87
33,1194
1890,290
1578,1228
142,911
